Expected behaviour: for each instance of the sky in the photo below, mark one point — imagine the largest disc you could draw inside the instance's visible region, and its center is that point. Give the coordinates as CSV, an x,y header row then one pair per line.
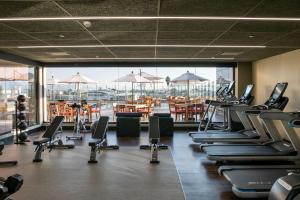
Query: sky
x,y
106,76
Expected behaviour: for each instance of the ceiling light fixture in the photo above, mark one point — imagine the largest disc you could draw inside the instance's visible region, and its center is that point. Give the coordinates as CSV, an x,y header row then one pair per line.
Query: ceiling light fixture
x,y
61,36
142,58
149,18
137,46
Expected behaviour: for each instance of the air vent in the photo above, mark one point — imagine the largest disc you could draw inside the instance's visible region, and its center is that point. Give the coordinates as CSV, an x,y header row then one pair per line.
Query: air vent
x,y
58,53
231,53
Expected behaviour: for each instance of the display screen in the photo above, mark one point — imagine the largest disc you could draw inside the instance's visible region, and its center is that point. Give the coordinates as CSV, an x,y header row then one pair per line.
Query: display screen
x,y
278,91
248,91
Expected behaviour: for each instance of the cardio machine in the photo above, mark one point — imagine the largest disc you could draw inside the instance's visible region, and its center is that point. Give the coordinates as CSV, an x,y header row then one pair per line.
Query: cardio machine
x,y
277,149
256,181
224,93
254,132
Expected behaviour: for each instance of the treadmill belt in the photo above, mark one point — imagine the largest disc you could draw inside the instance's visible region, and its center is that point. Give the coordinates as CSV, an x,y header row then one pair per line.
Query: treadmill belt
x,y
222,136
245,150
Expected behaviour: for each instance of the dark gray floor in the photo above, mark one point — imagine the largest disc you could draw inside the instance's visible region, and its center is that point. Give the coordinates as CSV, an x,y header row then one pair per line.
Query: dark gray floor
x,y
198,176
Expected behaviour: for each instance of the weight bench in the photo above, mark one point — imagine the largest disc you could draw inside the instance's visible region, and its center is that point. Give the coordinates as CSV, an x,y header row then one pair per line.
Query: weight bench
x,y
48,140
3,163
154,139
99,139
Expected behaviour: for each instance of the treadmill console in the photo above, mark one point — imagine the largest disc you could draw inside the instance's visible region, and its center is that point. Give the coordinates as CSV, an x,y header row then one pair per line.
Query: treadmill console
x,y
230,88
278,92
247,94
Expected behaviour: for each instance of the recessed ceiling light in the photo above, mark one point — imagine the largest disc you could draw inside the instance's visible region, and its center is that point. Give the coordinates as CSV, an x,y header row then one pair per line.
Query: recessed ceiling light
x,y
150,18
134,46
87,24
61,36
251,36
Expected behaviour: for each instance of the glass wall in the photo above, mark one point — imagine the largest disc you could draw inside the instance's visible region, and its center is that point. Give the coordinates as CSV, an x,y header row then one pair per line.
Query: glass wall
x,y
16,79
147,90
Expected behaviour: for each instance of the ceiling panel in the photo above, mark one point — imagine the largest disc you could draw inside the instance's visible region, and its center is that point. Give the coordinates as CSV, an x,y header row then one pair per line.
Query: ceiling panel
x,y
144,32
257,54
191,35
134,52
29,9
45,26
176,52
194,25
79,35
266,26
14,36
290,40
123,25
15,43
130,42
110,8
183,42
125,35
277,8
206,8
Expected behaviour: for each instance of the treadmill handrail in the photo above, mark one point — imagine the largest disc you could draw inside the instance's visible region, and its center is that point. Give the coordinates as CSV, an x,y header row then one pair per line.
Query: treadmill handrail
x,y
282,116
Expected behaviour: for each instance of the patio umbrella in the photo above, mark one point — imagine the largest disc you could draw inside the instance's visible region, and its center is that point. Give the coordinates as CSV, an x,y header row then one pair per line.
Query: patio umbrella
x,y
132,78
78,79
187,78
52,81
152,78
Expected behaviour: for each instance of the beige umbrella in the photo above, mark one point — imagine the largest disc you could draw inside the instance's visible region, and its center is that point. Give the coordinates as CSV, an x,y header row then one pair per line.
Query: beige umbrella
x,y
152,78
132,78
187,78
78,79
52,81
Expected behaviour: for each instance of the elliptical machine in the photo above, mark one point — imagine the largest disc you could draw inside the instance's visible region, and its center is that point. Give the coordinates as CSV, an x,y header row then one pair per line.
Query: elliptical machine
x,y
79,125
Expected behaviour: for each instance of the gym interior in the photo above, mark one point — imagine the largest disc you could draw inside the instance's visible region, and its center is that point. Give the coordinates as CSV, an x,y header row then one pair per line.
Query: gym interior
x,y
161,99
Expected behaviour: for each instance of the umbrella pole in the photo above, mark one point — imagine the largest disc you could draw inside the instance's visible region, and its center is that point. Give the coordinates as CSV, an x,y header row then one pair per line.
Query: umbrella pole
x,y
132,91
52,92
188,94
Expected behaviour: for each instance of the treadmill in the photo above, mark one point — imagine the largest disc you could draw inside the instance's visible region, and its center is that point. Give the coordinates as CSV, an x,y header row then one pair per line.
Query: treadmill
x,y
223,94
254,131
254,181
276,150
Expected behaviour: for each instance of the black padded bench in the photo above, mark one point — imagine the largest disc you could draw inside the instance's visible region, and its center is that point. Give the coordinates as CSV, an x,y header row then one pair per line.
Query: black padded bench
x,y
3,163
99,139
48,140
128,124
166,124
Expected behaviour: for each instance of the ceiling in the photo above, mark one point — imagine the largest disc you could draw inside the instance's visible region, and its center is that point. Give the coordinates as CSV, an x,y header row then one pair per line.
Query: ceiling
x,y
277,36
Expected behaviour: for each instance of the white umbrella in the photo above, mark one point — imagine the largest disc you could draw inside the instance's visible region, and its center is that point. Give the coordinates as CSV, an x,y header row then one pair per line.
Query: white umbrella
x,y
152,78
187,78
132,78
78,79
52,81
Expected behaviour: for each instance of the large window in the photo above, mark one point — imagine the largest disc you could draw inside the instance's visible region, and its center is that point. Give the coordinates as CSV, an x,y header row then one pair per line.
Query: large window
x,y
147,90
16,79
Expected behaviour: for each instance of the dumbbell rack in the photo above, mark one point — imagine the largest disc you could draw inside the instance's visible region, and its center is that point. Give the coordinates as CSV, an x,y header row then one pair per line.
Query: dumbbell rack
x,y
17,121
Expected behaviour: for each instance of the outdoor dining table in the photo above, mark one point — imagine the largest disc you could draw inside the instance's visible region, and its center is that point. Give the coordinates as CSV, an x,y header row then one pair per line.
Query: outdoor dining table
x,y
134,107
186,107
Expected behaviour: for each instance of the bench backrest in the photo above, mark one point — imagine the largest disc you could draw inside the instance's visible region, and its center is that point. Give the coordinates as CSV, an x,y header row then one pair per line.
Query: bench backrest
x,y
154,132
101,128
54,126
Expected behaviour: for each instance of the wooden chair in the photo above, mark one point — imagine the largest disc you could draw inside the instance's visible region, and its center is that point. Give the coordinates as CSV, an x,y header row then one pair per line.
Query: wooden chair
x,y
52,111
95,109
177,110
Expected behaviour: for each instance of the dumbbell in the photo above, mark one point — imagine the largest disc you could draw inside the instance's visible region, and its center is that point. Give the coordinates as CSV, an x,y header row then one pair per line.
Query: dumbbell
x,y
11,185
